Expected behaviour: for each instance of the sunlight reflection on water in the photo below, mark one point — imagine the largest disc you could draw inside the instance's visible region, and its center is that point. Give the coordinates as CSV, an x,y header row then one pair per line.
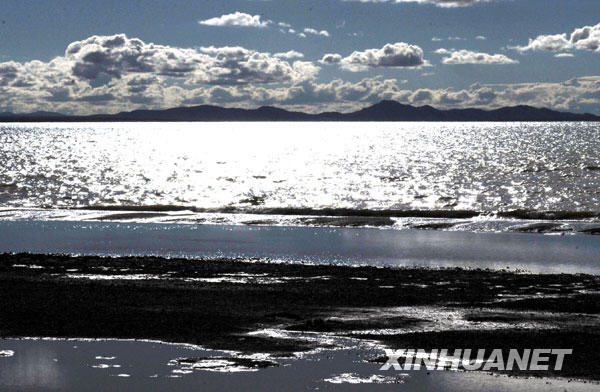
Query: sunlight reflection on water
x,y
478,166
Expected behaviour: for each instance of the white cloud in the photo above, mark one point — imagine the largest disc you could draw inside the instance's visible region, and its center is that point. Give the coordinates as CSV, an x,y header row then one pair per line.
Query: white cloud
x,y
312,31
104,74
287,28
552,43
560,55
240,19
443,3
469,57
99,60
290,54
235,65
584,38
438,3
108,70
450,38
331,58
9,72
141,91
480,38
399,54
580,94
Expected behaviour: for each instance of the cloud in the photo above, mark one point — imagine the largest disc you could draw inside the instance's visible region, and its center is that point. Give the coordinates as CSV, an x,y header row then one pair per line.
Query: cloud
x,y
102,59
114,69
237,65
97,98
584,38
240,19
399,54
331,58
580,94
99,59
8,72
469,57
551,43
450,38
107,74
443,3
287,28
560,55
312,31
290,54
438,3
456,38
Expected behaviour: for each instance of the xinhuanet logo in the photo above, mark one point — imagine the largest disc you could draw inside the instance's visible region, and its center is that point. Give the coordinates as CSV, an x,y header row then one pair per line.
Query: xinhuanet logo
x,y
538,359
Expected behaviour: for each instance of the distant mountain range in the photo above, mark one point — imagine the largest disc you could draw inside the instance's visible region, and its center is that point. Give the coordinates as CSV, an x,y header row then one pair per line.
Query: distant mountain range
x,y
382,111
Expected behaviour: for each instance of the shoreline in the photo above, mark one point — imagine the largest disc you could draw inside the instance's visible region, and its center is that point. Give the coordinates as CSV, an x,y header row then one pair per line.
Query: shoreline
x,y
251,212
237,305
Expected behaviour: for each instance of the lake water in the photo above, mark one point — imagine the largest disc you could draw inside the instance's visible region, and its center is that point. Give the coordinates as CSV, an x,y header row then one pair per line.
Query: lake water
x,y
154,177
482,167
313,245
117,365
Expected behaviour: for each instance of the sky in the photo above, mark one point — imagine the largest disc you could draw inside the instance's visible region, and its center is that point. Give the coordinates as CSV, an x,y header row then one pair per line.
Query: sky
x,y
313,55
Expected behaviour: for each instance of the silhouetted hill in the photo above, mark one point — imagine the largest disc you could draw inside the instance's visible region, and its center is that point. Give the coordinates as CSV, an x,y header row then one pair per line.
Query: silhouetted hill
x,y
206,113
394,111
382,111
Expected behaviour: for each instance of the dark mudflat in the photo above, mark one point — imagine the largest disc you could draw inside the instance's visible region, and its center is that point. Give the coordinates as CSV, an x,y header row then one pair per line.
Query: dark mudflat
x,y
215,303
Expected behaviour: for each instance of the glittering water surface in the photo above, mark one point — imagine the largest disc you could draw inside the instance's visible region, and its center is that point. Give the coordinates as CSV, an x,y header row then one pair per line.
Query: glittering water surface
x,y
474,166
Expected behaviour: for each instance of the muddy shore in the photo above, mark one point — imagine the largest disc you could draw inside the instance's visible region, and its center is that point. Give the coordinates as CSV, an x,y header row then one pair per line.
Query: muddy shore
x,y
220,303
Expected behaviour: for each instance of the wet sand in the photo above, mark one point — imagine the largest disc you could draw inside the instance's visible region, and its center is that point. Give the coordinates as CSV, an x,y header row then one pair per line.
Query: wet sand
x,y
270,308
